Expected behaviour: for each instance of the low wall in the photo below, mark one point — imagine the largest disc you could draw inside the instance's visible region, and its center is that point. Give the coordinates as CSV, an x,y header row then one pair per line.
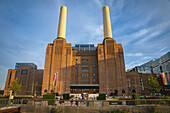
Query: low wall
x,y
96,109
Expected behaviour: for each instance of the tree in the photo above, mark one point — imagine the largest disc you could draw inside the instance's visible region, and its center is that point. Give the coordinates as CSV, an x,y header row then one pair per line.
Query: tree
x,y
133,91
153,85
123,91
52,91
45,91
115,92
15,87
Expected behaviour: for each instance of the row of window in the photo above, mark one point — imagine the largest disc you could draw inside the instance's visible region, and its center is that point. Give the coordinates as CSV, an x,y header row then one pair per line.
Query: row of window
x,y
86,80
84,60
84,63
85,69
84,75
93,69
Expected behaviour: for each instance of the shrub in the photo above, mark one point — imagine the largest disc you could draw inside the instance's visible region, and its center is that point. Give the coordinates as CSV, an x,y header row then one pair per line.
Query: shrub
x,y
49,96
162,102
66,96
101,97
137,96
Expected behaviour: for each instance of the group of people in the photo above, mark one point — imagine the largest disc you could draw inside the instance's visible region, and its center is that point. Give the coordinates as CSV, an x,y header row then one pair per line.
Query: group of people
x,y
76,99
83,98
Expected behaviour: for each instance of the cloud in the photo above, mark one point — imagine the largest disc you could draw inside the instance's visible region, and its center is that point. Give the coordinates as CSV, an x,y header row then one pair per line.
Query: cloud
x,y
134,54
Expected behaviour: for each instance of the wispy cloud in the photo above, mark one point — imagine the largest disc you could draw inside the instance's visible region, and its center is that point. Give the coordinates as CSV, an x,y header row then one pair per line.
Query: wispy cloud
x,y
134,54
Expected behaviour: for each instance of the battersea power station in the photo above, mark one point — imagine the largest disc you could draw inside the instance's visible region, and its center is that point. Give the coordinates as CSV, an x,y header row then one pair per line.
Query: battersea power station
x,y
84,68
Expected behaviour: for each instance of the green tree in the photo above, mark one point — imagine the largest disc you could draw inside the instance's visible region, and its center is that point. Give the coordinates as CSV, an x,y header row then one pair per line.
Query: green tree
x,y
45,91
153,85
15,87
52,91
115,92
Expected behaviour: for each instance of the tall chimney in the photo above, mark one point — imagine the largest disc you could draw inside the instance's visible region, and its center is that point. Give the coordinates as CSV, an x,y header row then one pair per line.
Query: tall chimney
x,y
106,23
62,22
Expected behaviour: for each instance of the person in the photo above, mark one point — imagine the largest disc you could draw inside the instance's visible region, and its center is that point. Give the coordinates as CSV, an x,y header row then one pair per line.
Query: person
x,y
71,101
77,101
61,101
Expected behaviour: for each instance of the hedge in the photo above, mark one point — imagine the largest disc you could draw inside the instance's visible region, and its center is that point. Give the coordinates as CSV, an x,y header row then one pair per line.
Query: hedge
x,y
66,96
101,97
49,96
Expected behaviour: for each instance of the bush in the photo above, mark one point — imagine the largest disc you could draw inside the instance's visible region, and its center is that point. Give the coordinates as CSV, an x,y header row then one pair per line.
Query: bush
x,y
49,96
136,96
66,96
101,97
162,102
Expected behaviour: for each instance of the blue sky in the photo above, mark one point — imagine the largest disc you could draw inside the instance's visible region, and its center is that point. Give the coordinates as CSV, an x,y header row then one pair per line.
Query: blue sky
x,y
27,26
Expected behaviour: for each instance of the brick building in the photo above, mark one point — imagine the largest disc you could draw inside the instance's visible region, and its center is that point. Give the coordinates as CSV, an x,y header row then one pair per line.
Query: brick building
x,y
28,76
84,68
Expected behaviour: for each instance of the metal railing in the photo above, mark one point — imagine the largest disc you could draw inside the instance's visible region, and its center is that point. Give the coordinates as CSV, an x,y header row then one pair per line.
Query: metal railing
x,y
18,102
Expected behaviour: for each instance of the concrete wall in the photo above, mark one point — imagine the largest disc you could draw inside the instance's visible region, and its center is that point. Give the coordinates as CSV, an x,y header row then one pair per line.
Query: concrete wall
x,y
96,109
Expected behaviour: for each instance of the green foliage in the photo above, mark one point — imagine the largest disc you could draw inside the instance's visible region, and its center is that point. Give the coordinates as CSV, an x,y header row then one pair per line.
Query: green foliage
x,y
123,91
101,97
162,102
115,92
45,90
153,109
49,96
118,111
15,87
66,96
165,97
52,91
133,91
153,85
137,96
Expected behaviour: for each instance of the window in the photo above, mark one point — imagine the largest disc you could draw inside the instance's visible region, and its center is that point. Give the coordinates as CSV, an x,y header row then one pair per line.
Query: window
x,y
75,74
87,64
82,64
76,59
85,69
15,74
141,83
82,75
76,63
93,74
82,80
75,80
87,75
24,72
93,62
94,80
87,80
83,60
93,69
87,60
10,78
76,69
